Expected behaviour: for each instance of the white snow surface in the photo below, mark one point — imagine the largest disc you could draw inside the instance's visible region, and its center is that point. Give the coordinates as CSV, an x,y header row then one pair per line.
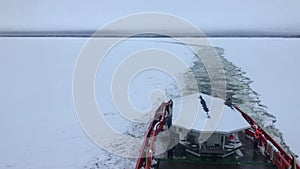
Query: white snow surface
x,y
230,119
37,120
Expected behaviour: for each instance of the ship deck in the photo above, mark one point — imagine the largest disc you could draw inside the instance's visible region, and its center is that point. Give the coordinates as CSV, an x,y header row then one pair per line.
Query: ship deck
x,y
252,158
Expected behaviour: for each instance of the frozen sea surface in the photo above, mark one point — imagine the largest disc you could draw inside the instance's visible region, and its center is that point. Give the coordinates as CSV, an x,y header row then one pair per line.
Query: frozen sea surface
x,y
238,88
38,124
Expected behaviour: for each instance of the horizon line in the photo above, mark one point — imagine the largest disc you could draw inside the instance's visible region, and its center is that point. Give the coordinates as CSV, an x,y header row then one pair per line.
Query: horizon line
x,y
120,34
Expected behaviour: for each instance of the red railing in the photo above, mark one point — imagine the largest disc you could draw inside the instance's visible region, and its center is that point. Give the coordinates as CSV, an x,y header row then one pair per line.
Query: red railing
x,y
156,126
281,158
142,153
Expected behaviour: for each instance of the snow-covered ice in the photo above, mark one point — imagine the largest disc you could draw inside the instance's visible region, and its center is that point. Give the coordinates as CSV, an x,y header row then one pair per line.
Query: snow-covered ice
x,y
38,123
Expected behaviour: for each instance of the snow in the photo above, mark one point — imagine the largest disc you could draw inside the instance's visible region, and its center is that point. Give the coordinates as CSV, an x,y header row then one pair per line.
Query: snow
x,y
230,119
38,123
272,65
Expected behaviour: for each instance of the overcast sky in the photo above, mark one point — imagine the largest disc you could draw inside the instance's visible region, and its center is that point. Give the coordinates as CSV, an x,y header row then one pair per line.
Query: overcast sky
x,y
209,16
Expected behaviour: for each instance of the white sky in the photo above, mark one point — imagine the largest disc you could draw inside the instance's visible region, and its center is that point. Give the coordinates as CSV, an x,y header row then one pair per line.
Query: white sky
x,y
209,16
